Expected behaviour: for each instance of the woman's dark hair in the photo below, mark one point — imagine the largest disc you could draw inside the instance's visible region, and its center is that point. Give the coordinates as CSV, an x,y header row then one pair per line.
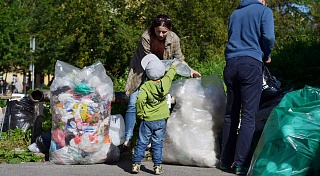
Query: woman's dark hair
x,y
156,45
161,19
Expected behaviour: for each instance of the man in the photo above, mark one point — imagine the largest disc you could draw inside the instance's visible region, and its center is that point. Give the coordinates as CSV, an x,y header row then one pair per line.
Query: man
x,y
250,42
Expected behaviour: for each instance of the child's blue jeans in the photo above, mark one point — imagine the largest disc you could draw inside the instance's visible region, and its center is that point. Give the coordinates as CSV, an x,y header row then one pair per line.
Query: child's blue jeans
x,y
156,131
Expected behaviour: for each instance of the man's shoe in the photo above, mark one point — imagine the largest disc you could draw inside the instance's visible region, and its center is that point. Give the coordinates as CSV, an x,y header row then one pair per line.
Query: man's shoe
x,y
241,170
224,166
157,170
135,168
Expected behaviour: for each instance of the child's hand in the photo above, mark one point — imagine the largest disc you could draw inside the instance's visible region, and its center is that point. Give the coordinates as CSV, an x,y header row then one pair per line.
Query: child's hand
x,y
175,63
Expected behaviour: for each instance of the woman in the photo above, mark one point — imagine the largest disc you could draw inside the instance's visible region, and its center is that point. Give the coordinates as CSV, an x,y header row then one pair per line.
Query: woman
x,y
157,39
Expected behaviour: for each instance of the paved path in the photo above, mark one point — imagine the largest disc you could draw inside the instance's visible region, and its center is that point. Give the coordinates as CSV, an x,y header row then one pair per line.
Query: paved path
x,y
119,168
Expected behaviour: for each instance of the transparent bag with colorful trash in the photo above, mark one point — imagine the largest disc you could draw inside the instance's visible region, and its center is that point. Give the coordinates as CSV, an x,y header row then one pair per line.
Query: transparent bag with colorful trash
x,y
81,106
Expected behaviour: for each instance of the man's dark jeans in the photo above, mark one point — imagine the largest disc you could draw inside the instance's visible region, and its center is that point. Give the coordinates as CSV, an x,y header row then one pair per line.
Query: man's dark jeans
x,y
243,78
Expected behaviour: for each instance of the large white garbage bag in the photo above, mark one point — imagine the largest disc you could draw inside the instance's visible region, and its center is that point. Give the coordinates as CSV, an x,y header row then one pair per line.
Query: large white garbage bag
x,y
196,119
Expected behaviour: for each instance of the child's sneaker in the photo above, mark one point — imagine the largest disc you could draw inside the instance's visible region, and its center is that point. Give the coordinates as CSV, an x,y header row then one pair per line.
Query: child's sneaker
x,y
157,170
135,168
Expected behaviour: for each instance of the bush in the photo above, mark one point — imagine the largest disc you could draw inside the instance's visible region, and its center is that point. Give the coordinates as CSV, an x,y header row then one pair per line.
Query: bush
x,y
295,61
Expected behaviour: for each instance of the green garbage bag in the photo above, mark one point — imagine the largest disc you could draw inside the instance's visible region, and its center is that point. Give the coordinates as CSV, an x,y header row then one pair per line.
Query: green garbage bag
x,y
289,144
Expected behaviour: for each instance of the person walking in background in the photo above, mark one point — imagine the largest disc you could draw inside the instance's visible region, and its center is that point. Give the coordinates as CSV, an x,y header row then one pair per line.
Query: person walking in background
x,y
157,39
250,41
18,86
3,87
153,110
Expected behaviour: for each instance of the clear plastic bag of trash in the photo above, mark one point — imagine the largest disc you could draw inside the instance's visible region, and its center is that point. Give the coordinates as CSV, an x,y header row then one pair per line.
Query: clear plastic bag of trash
x,y
197,118
182,69
81,107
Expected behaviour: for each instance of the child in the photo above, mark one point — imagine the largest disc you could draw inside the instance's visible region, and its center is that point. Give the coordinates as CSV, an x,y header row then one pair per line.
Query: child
x,y
153,110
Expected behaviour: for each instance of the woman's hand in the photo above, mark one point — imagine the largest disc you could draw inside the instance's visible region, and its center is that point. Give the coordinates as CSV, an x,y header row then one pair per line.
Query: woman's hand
x,y
195,74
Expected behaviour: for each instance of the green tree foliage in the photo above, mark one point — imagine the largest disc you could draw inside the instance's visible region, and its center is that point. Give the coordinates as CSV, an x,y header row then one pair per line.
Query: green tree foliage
x,y
297,40
297,62
202,28
81,32
76,32
13,37
84,31
315,13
